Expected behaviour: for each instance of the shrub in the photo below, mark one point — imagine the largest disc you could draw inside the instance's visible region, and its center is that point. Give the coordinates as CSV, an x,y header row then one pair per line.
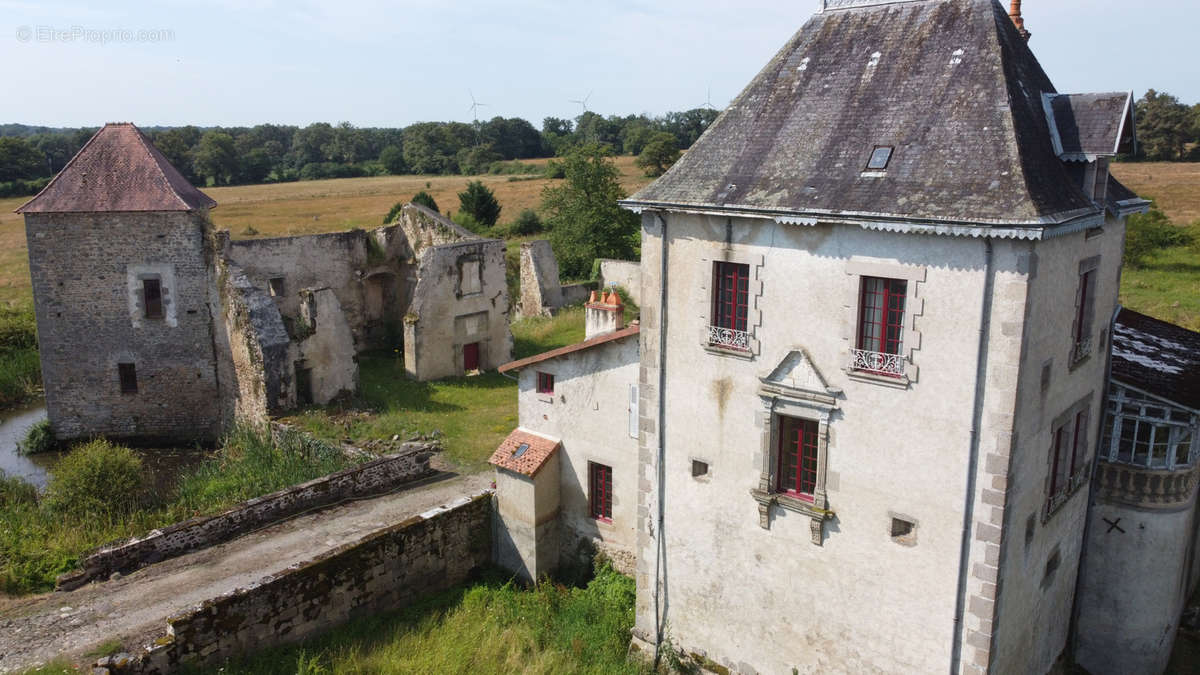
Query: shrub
x,y
424,199
39,438
469,222
96,478
18,328
555,169
528,222
14,491
480,202
20,375
1147,233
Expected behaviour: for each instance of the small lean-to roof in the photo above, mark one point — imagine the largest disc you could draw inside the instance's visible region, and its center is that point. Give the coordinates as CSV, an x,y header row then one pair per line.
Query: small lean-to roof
x,y
119,169
629,331
1087,126
524,452
1157,357
949,84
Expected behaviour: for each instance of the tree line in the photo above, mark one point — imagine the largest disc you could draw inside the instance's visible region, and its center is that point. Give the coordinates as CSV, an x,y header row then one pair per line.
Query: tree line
x,y
1167,130
30,155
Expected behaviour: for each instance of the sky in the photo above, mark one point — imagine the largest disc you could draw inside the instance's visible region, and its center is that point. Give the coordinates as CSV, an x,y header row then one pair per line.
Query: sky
x,y
373,63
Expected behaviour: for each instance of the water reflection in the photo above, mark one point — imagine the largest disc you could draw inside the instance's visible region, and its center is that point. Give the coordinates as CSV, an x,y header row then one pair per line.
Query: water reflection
x,y
14,424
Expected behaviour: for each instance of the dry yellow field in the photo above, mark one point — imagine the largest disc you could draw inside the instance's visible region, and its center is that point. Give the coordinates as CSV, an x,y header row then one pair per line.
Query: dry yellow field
x,y
308,207
1174,185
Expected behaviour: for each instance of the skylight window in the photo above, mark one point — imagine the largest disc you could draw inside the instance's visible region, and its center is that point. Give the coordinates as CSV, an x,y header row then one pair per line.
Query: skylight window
x,y
520,450
880,158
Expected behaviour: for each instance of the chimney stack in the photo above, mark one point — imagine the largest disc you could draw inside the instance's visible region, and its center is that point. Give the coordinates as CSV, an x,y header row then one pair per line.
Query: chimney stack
x,y
603,315
1015,14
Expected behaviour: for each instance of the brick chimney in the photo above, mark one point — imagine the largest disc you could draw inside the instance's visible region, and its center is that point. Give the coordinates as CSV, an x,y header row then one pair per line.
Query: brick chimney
x,y
1015,13
603,314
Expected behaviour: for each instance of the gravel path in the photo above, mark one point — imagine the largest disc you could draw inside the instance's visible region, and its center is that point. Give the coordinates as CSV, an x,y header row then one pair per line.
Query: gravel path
x,y
134,609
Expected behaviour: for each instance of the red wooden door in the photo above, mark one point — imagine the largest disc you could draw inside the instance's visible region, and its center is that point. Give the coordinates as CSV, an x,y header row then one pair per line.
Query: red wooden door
x,y
471,357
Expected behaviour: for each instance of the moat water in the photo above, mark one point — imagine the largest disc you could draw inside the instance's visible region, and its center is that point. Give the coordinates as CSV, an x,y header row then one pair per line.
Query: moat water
x,y
14,424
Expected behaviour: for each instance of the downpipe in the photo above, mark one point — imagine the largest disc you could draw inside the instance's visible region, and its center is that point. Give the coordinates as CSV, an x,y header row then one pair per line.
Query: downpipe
x,y
660,564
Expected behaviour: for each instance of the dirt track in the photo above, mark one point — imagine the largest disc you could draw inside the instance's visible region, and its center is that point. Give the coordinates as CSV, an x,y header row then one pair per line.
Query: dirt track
x,y
134,609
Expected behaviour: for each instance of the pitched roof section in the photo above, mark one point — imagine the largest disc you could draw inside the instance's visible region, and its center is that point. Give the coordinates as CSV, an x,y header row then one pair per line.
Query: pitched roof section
x,y
629,331
949,84
524,452
1087,126
119,169
1157,357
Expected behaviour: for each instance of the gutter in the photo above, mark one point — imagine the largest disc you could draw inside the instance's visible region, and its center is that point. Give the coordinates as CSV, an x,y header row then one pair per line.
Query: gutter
x,y
660,563
985,320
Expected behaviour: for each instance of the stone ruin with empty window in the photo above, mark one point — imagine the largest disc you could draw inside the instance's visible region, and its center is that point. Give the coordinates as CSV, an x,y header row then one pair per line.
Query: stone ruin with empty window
x,y
153,327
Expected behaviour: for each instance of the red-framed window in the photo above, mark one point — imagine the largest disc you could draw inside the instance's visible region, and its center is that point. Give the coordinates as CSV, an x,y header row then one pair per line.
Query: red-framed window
x,y
731,295
1068,455
881,315
1059,465
1079,442
797,471
600,491
1083,313
545,383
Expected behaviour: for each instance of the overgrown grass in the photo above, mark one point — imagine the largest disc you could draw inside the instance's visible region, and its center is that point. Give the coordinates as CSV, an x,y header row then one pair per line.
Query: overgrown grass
x,y
20,369
1162,274
491,626
39,438
39,541
472,414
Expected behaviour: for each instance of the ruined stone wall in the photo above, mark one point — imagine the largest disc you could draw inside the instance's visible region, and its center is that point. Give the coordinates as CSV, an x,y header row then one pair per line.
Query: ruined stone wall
x,y
624,273
383,571
541,291
461,298
324,346
88,272
257,372
375,477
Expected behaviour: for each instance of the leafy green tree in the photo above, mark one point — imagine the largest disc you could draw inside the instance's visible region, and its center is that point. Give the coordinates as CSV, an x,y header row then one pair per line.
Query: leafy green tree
x,y
526,223
659,154
56,148
584,219
392,159
432,147
253,166
20,160
476,160
176,145
346,145
479,201
512,138
215,157
558,135
687,126
424,199
635,136
1165,126
309,143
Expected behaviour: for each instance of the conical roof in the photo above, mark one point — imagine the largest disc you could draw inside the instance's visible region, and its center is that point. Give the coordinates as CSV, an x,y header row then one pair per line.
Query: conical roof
x,y
119,169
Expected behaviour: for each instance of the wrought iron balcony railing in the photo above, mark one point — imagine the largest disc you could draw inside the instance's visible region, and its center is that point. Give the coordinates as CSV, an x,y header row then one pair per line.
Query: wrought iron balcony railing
x,y
879,363
728,338
1083,349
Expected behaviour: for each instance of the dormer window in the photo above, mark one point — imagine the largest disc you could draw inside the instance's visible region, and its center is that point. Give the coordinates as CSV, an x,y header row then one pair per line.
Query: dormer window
x,y
880,157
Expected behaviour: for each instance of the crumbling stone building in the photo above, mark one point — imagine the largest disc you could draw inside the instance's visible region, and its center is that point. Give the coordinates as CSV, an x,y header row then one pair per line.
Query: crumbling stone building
x,y
154,328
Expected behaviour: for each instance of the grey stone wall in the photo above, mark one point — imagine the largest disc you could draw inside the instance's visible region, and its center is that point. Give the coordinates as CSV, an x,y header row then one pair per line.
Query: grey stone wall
x,y
374,477
256,370
624,273
87,272
541,291
383,571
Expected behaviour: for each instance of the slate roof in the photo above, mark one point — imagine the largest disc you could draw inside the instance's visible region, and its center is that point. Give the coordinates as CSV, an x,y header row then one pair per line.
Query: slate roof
x,y
1091,125
1157,357
950,84
629,331
537,450
119,169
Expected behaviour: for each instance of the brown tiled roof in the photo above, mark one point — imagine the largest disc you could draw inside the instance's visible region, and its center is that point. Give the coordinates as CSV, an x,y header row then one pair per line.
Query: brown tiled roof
x,y
527,462
633,329
119,169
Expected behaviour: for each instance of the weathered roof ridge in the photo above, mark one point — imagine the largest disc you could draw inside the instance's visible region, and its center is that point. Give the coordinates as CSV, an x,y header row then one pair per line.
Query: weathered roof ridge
x,y
128,174
843,5
951,85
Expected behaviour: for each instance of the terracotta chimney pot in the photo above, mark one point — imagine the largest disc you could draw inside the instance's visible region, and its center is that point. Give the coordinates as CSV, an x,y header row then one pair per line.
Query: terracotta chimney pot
x,y
1014,13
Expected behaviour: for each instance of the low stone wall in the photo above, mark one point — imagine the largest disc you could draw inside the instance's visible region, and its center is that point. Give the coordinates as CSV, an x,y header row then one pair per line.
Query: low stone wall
x,y
383,571
573,294
624,273
374,477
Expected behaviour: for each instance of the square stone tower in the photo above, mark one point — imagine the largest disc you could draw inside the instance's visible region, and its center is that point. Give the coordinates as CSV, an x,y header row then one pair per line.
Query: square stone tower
x,y
122,268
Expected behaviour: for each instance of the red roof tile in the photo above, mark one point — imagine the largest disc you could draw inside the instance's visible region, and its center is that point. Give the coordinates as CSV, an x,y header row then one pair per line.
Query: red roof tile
x,y
631,330
524,452
119,169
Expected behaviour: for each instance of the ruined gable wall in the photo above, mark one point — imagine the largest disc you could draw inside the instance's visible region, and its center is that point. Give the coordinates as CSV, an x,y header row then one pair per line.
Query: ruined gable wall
x,y
87,272
329,349
259,349
444,317
541,291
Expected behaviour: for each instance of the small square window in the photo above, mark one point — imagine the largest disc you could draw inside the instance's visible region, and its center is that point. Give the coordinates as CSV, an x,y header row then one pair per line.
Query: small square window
x,y
880,157
275,287
699,468
152,298
128,375
903,531
545,383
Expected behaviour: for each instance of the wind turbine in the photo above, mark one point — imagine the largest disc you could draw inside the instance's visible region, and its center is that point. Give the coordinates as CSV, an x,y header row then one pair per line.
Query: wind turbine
x,y
583,103
708,101
475,106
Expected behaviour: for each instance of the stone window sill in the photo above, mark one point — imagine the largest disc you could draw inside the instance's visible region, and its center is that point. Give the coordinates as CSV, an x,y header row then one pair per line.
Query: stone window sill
x,y
726,351
817,514
901,382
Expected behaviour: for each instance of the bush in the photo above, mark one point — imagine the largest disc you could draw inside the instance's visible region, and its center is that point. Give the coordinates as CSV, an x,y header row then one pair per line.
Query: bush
x,y
527,223
18,328
555,169
14,491
96,478
468,221
424,199
39,438
480,202
1147,233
